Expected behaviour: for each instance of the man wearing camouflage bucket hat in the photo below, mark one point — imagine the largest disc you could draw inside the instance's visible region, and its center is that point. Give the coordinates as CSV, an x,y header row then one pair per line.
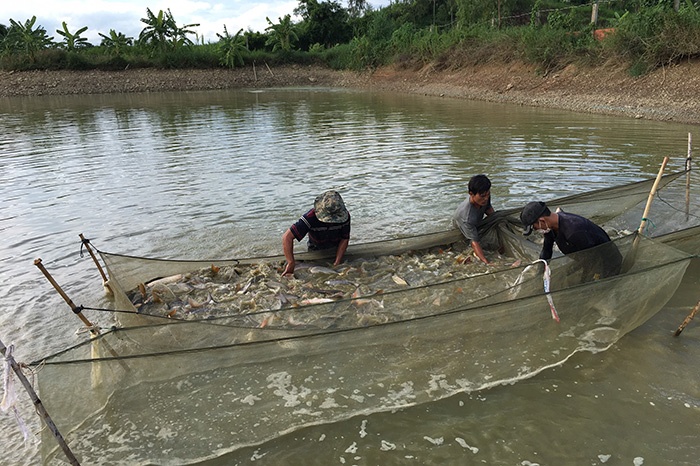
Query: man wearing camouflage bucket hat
x,y
328,226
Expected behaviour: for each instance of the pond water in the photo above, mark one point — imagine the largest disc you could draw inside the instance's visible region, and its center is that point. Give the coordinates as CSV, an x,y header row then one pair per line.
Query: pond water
x,y
222,174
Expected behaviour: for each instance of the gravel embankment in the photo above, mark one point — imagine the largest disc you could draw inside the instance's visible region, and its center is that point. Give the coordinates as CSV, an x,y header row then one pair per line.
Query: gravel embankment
x,y
669,94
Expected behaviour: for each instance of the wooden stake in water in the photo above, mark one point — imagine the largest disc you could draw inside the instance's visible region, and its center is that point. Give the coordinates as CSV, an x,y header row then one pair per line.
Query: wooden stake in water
x,y
688,163
105,281
688,319
39,406
630,257
652,193
94,330
65,297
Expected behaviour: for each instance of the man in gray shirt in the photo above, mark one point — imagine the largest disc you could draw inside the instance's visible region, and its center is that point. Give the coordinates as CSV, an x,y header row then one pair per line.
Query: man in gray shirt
x,y
470,212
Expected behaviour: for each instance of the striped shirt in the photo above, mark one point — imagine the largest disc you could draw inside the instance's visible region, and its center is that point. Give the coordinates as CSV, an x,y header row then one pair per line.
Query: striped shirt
x,y
321,235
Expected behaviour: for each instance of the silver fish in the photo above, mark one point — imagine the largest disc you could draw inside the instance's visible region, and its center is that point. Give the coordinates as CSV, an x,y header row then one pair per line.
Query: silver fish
x,y
321,269
316,301
286,298
399,281
246,287
165,280
340,282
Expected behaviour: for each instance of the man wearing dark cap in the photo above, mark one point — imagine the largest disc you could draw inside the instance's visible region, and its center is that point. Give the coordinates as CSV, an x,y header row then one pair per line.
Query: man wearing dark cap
x,y
328,227
573,234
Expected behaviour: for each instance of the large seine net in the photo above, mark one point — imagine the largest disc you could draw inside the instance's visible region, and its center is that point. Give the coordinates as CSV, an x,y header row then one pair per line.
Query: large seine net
x,y
216,355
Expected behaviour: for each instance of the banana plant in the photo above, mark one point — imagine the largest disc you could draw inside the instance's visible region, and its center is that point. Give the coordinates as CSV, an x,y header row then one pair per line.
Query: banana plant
x,y
162,32
179,35
73,41
282,34
231,48
116,42
27,39
157,30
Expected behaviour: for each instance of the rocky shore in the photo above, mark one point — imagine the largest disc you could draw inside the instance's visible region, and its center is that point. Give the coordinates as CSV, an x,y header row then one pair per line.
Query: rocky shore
x,y
668,94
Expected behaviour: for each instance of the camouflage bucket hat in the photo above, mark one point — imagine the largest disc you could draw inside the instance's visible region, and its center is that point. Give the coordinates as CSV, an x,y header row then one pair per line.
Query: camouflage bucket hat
x,y
330,208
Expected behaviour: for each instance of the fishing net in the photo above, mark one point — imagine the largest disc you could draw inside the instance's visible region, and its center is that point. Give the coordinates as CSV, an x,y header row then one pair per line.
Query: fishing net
x,y
211,356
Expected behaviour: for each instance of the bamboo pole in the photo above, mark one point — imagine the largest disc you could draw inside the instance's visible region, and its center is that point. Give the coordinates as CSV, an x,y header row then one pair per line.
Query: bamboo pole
x,y
687,319
95,331
105,281
652,193
629,258
688,163
65,297
594,14
38,405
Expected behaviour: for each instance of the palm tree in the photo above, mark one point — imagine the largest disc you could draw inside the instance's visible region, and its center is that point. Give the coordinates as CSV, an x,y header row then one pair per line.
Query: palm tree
x,y
282,34
231,48
73,41
116,42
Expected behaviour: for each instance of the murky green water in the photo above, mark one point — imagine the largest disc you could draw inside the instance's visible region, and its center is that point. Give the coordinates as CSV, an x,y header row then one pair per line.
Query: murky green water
x,y
223,174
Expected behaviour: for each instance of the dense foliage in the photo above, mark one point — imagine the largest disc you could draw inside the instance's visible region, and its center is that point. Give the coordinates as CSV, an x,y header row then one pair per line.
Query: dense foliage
x,y
644,34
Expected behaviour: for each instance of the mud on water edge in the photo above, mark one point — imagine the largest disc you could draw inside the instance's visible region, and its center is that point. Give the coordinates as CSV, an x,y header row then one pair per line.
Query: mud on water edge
x,y
668,94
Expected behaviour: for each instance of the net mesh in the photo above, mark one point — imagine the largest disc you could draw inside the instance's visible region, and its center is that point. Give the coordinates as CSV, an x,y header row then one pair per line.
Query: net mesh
x,y
182,385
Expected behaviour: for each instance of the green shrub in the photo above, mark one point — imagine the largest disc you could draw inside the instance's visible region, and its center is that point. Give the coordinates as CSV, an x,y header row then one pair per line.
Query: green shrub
x,y
657,36
191,56
316,49
546,47
77,61
339,57
365,53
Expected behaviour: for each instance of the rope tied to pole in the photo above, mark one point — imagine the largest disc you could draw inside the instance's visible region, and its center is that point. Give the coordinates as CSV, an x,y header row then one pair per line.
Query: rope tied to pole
x,y
84,242
651,223
78,309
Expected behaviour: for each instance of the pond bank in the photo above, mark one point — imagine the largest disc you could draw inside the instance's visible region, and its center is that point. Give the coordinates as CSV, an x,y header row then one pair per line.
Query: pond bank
x,y
668,94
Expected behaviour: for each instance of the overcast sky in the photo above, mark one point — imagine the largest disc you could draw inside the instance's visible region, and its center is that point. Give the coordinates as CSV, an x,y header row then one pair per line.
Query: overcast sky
x,y
125,15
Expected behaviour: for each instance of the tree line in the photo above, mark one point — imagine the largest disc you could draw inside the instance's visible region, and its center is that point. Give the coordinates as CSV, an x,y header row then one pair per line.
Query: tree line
x,y
643,34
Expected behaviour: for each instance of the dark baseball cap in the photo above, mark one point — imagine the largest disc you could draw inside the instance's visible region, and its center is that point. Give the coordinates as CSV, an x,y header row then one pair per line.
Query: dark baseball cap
x,y
531,212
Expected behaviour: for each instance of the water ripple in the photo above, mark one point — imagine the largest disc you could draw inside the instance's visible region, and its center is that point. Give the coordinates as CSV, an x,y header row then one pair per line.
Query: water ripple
x,y
223,174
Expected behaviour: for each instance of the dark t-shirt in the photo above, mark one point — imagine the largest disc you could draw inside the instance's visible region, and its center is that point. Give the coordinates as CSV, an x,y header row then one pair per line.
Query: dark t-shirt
x,y
321,235
467,216
577,234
